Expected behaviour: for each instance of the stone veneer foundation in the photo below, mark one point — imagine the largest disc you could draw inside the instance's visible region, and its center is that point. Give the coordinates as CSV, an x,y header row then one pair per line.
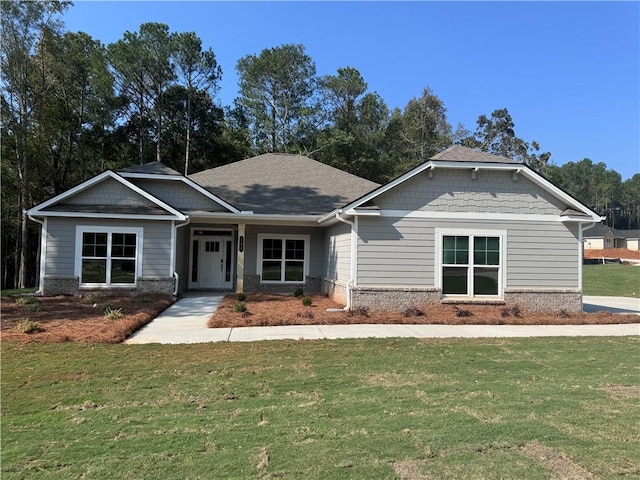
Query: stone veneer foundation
x,y
336,291
252,285
544,300
70,286
393,298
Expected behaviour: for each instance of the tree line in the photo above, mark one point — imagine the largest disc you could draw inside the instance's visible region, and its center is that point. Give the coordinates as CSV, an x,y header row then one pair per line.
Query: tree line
x,y
73,107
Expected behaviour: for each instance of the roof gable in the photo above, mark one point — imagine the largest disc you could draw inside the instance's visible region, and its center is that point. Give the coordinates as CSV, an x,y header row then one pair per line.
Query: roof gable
x,y
459,157
152,168
108,195
276,183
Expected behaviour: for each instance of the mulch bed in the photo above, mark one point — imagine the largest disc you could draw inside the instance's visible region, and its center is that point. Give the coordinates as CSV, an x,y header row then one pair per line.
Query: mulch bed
x,y
77,319
273,309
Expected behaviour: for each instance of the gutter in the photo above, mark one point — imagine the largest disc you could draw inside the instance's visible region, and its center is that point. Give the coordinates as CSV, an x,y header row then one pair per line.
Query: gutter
x,y
352,273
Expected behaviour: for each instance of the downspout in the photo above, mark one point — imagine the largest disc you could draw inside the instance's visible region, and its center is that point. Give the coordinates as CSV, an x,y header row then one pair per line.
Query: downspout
x,y
43,250
352,273
175,255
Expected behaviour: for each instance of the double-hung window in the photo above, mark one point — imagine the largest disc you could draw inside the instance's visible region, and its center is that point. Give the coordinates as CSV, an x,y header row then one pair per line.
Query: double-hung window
x,y
471,264
283,259
108,256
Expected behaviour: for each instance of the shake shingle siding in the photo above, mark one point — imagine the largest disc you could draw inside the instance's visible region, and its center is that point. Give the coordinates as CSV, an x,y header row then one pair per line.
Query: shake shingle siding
x,y
455,191
109,192
178,195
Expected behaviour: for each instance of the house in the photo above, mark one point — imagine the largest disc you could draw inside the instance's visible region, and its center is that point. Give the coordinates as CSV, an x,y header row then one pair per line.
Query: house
x,y
602,237
464,226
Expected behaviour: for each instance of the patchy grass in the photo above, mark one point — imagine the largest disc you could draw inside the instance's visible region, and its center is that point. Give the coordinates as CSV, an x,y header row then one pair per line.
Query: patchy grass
x,y
268,309
361,409
611,280
104,319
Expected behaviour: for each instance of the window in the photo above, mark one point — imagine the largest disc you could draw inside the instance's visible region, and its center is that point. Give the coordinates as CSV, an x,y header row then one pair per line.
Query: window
x,y
283,259
107,257
471,264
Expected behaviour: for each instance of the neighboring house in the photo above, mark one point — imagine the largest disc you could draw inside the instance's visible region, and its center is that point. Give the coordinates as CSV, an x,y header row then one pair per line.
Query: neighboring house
x,y
601,237
464,226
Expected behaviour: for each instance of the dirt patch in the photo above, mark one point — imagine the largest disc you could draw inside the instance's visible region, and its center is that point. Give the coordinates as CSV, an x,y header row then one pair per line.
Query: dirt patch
x,y
274,309
561,466
76,319
623,391
613,253
409,470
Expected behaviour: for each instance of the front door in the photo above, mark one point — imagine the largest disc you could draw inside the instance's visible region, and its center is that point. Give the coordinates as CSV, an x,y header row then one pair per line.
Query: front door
x,y
211,261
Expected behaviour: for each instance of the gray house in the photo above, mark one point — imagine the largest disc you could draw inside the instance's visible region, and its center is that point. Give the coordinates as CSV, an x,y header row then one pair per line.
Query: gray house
x,y
463,227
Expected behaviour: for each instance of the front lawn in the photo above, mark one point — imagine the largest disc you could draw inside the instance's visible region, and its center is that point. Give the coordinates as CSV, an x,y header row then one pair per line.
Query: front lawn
x,y
611,280
363,409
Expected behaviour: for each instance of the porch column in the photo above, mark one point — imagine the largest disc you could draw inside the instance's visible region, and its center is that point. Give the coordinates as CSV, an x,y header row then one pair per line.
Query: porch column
x,y
240,258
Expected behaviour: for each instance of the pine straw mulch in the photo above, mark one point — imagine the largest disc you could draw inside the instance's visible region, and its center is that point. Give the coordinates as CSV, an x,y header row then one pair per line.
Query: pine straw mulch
x,y
75,319
613,253
273,309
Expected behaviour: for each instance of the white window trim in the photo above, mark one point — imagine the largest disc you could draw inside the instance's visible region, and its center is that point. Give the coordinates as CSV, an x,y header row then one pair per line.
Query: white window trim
x,y
283,237
466,232
81,229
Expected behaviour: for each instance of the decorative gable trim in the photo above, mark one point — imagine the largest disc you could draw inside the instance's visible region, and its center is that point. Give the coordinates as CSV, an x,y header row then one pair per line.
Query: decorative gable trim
x,y
38,210
186,181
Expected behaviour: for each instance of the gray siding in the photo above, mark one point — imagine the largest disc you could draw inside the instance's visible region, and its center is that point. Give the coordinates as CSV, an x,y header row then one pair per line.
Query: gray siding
x,y
454,191
109,192
61,238
338,260
395,251
179,195
316,248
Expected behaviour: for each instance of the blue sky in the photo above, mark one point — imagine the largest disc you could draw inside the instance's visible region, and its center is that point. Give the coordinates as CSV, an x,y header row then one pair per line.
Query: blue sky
x,y
568,72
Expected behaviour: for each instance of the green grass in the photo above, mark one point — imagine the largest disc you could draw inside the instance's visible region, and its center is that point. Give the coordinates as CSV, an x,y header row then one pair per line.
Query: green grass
x,y
363,409
17,291
611,280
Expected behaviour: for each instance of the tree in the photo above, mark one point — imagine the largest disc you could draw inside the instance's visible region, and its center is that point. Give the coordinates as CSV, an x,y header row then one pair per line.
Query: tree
x,y
496,135
341,93
425,129
143,71
23,25
277,89
198,71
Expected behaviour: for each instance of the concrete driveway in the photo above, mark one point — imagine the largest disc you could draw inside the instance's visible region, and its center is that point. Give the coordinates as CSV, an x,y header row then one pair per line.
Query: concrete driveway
x,y
611,304
186,322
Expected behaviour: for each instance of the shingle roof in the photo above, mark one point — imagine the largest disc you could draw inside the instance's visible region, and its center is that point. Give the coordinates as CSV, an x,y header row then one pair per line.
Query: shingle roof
x,y
152,168
279,183
600,230
458,153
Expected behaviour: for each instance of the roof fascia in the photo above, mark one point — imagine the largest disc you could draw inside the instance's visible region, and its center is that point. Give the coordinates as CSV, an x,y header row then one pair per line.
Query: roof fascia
x,y
310,220
187,181
119,216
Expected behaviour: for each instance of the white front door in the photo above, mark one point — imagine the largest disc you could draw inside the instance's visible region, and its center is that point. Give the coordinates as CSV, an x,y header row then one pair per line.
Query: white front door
x,y
211,261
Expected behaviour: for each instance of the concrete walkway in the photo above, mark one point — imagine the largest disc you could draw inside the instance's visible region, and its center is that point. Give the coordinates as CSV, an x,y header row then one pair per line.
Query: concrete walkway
x,y
186,322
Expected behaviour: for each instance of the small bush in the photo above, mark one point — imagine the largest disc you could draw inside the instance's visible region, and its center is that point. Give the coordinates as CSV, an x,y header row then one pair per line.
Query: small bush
x,y
91,298
358,312
25,301
509,311
240,307
461,312
307,301
306,314
413,312
113,313
241,297
298,293
29,326
564,314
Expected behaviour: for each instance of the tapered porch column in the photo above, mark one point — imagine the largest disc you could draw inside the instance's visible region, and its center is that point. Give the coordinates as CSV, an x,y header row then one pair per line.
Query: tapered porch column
x,y
240,258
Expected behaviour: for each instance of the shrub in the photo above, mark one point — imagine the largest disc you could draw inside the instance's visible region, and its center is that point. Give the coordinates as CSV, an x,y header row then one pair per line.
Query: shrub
x,y
358,312
508,311
564,314
240,307
413,312
307,301
461,312
241,297
306,314
90,298
24,301
29,326
298,293
113,313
